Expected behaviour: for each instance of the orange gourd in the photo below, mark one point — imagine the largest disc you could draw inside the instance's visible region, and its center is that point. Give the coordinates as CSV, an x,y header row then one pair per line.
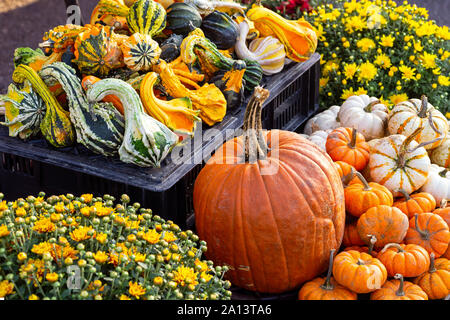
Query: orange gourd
x,y
436,281
366,249
351,236
410,260
429,231
387,224
399,289
444,212
360,197
359,271
246,216
415,203
325,288
346,173
348,145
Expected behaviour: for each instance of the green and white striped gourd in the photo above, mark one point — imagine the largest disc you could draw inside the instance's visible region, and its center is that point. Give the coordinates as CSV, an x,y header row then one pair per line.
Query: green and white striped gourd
x,y
56,126
99,126
24,111
146,141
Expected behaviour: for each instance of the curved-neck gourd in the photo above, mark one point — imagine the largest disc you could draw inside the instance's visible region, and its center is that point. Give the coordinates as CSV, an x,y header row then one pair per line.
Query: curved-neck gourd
x,y
99,126
56,126
146,141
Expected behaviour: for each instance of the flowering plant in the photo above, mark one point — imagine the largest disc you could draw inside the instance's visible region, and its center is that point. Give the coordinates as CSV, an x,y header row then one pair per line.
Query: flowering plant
x,y
383,50
67,247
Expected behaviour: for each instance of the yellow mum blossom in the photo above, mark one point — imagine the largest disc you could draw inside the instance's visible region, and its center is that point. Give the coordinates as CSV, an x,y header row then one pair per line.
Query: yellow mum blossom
x,y
203,266
4,231
42,248
426,29
33,297
443,33
346,93
100,257
352,6
21,212
86,211
136,290
387,41
169,236
330,66
437,71
124,297
428,60
44,225
397,98
81,233
205,276
139,257
3,206
365,44
350,70
323,82
185,275
87,197
59,207
393,16
101,237
360,91
51,277
444,81
407,72
6,288
367,71
38,200
151,236
383,61
102,211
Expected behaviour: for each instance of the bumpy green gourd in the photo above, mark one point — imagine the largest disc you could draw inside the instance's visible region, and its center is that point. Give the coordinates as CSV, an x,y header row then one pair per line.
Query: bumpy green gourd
x,y
56,126
146,17
24,111
146,141
99,126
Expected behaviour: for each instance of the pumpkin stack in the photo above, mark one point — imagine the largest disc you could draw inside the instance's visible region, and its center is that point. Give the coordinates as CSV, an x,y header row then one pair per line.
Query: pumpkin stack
x,y
396,240
180,64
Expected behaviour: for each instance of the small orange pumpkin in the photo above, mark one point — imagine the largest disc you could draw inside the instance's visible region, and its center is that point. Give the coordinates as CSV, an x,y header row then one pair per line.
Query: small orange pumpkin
x,y
387,224
351,236
361,197
436,281
444,212
415,203
346,173
429,231
359,271
325,288
410,260
348,145
399,289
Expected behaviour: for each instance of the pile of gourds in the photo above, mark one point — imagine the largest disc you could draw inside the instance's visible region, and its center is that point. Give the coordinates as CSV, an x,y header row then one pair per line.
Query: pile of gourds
x,y
140,77
393,165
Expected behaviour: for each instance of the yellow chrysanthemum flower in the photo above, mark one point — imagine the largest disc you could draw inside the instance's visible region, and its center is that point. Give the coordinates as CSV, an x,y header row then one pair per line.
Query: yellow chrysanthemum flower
x,y
101,237
42,248
323,81
87,197
51,277
124,297
444,81
407,72
4,231
350,70
81,233
397,98
33,297
136,290
151,236
185,275
383,61
100,257
387,41
3,206
6,288
428,60
367,71
365,44
346,93
44,225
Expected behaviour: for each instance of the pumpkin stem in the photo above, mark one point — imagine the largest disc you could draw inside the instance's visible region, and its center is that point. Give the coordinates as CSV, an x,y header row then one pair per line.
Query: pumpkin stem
x,y
423,144
443,203
404,193
373,240
423,233
360,262
395,245
254,141
327,285
400,291
423,109
368,108
443,173
347,178
367,187
404,147
432,265
352,143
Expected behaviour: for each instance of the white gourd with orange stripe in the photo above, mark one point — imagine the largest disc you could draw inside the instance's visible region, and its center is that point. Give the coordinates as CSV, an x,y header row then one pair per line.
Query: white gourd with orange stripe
x,y
409,115
441,154
268,51
399,162
438,183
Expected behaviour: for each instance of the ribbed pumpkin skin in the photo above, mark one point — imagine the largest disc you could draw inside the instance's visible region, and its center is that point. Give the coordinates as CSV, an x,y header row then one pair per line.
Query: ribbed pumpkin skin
x,y
445,214
351,236
313,291
140,52
389,289
147,17
419,203
410,260
273,240
437,283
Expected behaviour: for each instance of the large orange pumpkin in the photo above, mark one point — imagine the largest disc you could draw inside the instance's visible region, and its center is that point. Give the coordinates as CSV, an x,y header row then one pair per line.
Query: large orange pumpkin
x,y
348,145
272,220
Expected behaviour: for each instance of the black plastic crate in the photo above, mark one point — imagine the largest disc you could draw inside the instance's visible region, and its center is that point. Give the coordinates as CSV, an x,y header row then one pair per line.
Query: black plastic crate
x,y
33,166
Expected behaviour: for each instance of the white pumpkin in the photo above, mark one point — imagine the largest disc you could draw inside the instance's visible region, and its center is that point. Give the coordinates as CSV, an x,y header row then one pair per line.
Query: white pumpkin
x,y
366,114
326,120
437,183
441,154
409,115
319,138
399,162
